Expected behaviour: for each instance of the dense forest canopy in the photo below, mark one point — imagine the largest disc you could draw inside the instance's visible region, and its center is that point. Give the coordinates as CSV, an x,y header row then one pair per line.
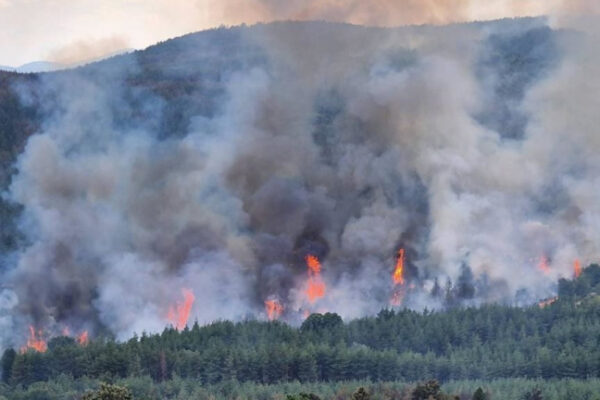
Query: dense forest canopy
x,y
488,343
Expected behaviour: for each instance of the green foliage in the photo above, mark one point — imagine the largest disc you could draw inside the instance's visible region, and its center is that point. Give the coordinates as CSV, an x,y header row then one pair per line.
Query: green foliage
x,y
479,394
534,394
303,396
109,392
66,388
585,285
487,343
8,358
361,394
428,390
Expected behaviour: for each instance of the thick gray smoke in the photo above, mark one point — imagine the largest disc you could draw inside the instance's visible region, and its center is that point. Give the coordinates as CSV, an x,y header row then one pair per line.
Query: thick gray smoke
x,y
472,147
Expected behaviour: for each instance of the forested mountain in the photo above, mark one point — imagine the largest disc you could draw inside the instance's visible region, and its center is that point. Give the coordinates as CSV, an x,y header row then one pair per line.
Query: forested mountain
x,y
327,170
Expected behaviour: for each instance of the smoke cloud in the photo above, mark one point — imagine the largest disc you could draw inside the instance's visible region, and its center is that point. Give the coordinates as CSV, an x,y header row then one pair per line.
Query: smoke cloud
x,y
33,38
83,51
347,143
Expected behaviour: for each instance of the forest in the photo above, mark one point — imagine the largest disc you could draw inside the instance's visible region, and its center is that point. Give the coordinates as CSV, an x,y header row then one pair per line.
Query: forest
x,y
224,160
555,342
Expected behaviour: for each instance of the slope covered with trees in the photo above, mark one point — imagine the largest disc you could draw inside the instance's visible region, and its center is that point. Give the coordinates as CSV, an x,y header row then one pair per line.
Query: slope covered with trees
x,y
487,343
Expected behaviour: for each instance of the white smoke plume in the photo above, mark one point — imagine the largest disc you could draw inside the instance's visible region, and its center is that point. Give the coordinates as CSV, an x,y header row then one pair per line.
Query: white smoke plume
x,y
347,143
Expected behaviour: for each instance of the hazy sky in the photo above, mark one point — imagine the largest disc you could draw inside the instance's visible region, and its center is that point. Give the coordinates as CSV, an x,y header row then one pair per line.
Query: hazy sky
x,y
68,31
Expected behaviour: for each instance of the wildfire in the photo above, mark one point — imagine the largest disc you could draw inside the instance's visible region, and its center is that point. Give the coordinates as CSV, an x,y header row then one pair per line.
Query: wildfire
x,y
35,341
547,302
577,268
398,275
543,265
315,286
83,338
398,280
274,309
397,297
178,315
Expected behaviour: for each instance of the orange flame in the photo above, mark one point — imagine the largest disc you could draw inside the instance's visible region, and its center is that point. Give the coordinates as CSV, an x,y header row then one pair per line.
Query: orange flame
x,y
546,302
178,315
398,280
83,338
35,341
398,275
577,268
315,286
543,265
397,297
274,309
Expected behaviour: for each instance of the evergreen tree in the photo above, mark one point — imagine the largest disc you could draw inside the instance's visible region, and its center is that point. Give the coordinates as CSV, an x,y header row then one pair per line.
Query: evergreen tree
x,y
109,392
534,394
480,395
427,390
361,394
8,359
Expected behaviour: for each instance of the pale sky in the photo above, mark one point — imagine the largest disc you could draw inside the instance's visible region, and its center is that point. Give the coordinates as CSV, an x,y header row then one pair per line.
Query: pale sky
x,y
68,31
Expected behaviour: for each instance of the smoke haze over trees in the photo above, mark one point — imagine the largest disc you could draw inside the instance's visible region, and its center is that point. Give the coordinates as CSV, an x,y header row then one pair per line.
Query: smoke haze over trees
x,y
218,161
506,350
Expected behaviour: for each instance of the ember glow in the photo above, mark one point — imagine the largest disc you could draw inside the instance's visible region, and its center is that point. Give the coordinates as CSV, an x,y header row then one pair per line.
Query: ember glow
x,y
274,309
547,302
577,268
178,315
397,296
543,265
315,288
35,341
83,338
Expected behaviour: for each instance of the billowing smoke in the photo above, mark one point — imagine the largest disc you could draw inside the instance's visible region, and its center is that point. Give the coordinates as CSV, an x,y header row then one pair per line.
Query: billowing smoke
x,y
472,148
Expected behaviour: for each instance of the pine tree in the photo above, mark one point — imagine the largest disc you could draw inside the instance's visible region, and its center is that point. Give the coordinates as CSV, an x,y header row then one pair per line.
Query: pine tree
x,y
109,392
479,394
361,394
8,359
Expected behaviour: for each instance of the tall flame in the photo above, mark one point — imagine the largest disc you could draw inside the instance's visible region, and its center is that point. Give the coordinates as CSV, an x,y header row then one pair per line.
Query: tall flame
x,y
178,315
315,288
543,265
35,341
398,275
577,268
398,280
274,309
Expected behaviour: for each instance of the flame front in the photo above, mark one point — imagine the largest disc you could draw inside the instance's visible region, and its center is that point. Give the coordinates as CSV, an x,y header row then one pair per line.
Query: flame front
x,y
35,341
577,268
274,309
178,315
315,288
